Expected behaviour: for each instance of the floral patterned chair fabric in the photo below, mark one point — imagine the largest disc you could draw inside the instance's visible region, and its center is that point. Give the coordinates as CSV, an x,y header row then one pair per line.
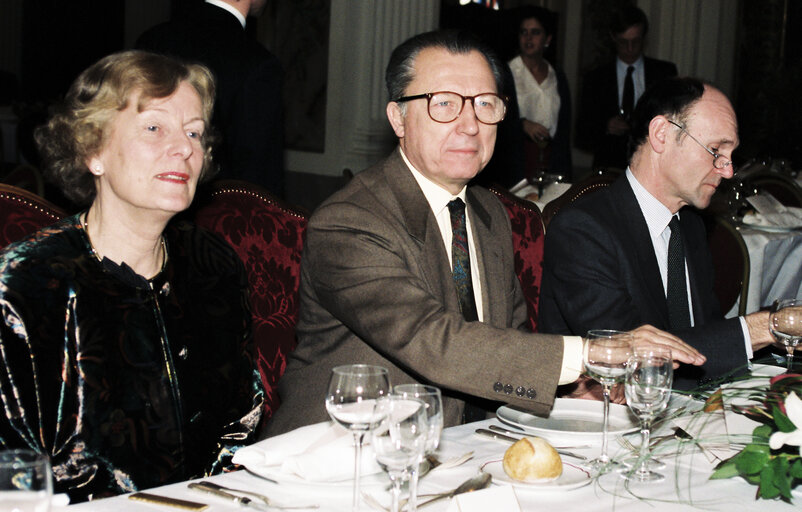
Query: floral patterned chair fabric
x,y
527,241
268,236
23,213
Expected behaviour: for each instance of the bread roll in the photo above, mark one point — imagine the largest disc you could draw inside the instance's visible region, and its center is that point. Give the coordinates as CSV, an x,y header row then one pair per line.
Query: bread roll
x,y
532,459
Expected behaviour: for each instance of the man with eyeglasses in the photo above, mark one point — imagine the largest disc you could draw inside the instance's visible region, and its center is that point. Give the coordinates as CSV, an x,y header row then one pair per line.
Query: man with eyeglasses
x,y
636,252
410,269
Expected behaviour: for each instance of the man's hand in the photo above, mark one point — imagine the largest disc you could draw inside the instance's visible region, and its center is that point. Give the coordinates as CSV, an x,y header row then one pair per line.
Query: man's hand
x,y
758,326
681,352
588,389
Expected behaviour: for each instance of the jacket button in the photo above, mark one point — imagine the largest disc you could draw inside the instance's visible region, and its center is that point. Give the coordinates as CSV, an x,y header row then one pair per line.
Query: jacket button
x,y
498,387
508,389
531,393
520,391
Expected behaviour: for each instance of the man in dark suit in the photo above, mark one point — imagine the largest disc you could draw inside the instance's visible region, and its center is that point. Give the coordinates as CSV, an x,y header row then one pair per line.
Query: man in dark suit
x,y
377,285
611,91
609,257
248,104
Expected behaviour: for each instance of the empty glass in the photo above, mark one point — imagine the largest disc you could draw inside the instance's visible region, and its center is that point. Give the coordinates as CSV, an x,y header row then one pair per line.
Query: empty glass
x,y
432,397
399,439
606,358
351,400
648,387
25,481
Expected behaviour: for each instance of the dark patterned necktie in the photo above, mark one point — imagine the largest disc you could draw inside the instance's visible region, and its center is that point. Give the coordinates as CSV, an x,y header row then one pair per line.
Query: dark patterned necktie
x,y
461,260
677,292
628,98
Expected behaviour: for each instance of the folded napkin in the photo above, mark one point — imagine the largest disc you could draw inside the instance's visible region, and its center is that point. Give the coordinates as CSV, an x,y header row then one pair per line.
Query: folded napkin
x,y
790,218
323,452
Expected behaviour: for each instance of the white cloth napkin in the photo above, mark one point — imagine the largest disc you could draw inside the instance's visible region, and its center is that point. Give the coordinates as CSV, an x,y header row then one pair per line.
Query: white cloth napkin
x,y
790,218
323,452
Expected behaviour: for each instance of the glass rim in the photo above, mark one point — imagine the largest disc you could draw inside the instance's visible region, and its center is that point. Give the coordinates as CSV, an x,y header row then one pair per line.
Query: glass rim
x,y
608,333
360,369
428,388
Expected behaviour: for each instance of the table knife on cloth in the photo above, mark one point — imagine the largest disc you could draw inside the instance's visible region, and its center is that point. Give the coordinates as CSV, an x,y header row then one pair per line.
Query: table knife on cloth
x,y
243,501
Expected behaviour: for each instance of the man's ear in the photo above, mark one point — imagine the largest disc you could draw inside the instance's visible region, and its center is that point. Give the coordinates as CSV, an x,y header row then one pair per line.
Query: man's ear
x,y
396,118
659,133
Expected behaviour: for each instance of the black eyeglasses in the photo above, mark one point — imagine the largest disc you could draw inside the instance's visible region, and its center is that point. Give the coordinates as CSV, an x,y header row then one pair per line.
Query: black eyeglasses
x,y
446,106
719,161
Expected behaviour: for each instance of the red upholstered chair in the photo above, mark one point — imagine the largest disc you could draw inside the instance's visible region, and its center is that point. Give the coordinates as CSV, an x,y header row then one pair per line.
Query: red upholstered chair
x,y
527,242
23,213
268,236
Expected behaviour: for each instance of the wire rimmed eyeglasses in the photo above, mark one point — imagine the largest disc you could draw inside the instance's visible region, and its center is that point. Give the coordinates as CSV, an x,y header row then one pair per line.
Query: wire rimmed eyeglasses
x,y
719,161
446,106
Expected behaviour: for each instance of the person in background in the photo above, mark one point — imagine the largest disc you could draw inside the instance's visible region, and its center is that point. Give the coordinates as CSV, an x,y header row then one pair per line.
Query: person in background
x,y
125,348
544,99
409,268
611,91
248,106
636,252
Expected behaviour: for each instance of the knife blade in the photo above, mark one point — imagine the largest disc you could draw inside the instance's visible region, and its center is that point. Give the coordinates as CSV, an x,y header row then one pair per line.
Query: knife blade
x,y
241,500
510,439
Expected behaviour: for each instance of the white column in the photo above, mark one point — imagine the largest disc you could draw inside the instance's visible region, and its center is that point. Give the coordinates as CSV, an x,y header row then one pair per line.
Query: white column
x,y
362,35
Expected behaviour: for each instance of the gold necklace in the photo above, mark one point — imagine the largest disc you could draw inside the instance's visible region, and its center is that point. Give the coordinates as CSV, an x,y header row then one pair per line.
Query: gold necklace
x,y
96,253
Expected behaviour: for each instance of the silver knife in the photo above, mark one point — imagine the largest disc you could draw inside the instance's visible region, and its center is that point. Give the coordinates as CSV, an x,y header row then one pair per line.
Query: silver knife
x,y
509,439
241,500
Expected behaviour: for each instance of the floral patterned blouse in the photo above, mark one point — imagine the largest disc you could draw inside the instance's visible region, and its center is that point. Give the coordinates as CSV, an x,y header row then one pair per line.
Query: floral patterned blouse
x,y
125,383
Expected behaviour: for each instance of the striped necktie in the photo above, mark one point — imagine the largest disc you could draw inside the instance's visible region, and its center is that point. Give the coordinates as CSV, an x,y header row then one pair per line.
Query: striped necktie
x,y
461,260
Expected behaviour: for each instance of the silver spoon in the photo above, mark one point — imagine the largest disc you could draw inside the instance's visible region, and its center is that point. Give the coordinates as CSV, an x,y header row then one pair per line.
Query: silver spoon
x,y
208,486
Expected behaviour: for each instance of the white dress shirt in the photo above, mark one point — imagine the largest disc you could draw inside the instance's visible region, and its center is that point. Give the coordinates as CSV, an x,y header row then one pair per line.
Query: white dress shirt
x,y
230,8
657,217
438,199
539,103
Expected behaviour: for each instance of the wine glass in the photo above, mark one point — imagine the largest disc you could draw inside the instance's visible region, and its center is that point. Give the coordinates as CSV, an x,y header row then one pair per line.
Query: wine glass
x,y
25,481
647,387
351,400
399,439
432,397
785,323
606,357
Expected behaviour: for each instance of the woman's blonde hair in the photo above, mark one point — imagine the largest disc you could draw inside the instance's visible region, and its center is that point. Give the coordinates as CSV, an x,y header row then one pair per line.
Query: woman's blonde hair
x,y
80,126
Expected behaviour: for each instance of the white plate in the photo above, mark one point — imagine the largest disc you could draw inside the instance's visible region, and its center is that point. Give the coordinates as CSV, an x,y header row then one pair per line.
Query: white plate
x,y
571,416
571,478
274,473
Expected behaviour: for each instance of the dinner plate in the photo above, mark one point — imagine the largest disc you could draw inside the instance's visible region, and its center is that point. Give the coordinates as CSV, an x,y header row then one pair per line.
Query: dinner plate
x,y
275,474
571,417
572,478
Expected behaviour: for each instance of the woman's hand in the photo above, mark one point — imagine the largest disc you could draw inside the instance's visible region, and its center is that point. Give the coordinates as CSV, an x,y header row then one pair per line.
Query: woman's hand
x,y
535,131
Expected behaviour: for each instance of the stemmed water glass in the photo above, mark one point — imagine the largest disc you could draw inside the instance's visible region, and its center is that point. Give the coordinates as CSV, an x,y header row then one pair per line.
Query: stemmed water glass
x,y
399,438
351,400
785,323
606,356
432,397
647,387
25,481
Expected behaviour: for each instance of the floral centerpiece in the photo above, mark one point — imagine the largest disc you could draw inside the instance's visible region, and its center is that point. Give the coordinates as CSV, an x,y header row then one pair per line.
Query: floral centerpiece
x,y
773,459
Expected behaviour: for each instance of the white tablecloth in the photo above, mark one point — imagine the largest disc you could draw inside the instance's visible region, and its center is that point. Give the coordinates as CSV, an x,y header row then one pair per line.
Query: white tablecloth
x,y
687,486
775,267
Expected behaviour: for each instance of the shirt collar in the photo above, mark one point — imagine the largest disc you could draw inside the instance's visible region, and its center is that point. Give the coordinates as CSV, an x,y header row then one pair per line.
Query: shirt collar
x,y
230,9
622,66
656,214
437,197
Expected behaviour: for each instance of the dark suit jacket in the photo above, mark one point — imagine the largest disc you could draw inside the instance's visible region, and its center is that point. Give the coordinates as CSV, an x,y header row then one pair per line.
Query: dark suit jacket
x,y
376,288
600,272
599,103
248,111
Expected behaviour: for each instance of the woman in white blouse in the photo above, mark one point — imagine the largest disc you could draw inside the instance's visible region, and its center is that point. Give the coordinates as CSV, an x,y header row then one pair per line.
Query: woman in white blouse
x,y
544,100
